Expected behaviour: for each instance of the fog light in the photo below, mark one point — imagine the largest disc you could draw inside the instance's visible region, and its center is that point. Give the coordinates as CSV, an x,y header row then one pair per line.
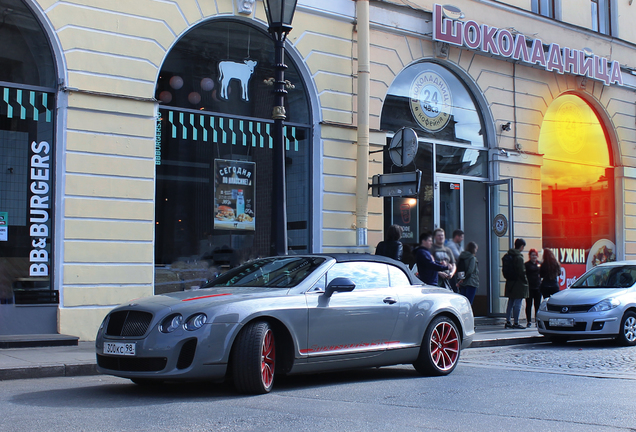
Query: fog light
x,y
598,325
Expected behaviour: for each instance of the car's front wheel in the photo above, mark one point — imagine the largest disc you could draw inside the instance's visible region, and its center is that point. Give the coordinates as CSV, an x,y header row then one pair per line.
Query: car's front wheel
x,y
254,359
440,348
627,335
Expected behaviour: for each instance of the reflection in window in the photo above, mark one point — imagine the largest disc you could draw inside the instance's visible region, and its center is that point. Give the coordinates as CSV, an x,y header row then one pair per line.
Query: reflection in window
x,y
544,7
450,108
398,278
365,275
577,181
215,111
601,16
464,161
26,56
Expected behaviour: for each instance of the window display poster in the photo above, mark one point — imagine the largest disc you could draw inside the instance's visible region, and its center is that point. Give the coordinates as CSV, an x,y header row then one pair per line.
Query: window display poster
x,y
405,214
4,226
234,195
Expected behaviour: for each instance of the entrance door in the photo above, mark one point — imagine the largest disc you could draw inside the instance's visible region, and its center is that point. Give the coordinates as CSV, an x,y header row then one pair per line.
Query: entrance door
x,y
449,204
463,204
501,220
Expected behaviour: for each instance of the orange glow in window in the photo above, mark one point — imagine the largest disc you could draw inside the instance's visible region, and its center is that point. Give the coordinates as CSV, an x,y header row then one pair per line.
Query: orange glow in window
x,y
577,183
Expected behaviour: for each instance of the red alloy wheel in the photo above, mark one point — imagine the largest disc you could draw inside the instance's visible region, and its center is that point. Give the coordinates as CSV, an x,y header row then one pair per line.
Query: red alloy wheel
x,y
268,359
444,346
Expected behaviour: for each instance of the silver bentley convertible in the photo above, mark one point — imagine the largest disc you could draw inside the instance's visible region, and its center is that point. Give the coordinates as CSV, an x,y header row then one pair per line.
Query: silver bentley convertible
x,y
288,315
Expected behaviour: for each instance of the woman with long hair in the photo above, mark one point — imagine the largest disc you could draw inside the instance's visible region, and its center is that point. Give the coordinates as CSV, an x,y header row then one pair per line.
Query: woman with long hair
x,y
550,271
533,267
391,247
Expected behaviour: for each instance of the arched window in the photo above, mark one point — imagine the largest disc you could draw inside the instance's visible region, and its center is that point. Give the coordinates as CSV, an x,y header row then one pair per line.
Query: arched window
x,y
27,149
214,153
577,186
433,101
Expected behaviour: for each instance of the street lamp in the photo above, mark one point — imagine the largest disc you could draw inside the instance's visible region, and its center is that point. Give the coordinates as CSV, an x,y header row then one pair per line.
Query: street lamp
x,y
279,17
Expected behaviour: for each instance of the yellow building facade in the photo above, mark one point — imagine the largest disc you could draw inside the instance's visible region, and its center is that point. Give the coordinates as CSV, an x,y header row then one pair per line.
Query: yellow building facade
x,y
120,124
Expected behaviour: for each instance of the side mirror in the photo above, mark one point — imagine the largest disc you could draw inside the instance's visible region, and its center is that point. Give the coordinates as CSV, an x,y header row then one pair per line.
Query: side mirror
x,y
339,284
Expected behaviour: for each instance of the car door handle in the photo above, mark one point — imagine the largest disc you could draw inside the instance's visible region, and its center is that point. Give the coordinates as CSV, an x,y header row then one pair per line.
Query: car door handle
x,y
389,300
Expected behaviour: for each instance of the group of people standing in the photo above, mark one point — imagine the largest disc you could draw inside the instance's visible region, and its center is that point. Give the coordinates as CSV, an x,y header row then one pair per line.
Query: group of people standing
x,y
439,262
447,264
529,280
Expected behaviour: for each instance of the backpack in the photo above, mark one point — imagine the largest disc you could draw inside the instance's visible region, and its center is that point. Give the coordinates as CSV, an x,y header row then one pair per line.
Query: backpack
x,y
508,267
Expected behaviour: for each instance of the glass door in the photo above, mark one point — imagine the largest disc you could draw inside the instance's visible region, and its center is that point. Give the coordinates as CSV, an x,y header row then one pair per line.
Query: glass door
x,y
500,216
449,204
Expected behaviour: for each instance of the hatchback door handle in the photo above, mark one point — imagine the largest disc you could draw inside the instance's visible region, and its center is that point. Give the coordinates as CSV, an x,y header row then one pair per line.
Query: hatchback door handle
x,y
389,300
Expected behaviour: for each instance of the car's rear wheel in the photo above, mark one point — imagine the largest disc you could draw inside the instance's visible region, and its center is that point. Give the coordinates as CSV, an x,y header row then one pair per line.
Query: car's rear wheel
x,y
440,348
254,359
627,335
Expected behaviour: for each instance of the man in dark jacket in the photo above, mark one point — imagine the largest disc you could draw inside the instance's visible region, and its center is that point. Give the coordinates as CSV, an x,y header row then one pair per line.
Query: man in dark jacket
x,y
517,287
427,267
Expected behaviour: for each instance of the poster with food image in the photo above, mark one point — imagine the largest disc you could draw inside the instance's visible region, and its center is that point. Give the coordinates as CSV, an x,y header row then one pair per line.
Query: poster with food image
x,y
234,195
603,251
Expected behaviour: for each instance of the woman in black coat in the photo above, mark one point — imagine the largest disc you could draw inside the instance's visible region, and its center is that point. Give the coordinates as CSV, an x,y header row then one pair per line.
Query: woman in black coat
x,y
533,268
392,246
550,271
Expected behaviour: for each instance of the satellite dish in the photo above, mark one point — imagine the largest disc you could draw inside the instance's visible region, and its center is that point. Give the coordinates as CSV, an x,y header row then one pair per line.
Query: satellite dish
x,y
403,147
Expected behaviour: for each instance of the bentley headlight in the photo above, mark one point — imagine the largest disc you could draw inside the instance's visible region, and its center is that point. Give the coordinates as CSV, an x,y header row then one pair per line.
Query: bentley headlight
x,y
171,323
544,305
196,321
605,305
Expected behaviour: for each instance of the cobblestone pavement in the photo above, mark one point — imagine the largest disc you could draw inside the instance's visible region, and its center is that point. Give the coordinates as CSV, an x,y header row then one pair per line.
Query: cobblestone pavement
x,y
601,358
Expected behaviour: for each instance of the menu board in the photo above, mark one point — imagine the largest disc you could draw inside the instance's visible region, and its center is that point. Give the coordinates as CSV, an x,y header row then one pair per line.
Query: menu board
x,y
234,195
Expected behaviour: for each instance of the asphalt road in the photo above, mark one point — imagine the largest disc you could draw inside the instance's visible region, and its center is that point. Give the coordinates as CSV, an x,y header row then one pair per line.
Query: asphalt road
x,y
586,386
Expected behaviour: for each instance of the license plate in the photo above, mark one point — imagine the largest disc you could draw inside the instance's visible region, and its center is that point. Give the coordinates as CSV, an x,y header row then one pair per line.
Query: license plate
x,y
561,322
117,348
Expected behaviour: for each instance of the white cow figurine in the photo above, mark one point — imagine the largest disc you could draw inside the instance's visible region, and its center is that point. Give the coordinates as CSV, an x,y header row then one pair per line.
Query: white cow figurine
x,y
241,71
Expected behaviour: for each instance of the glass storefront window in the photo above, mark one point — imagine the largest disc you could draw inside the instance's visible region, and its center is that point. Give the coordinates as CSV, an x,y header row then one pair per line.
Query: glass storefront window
x,y
463,161
438,106
434,102
26,196
214,155
27,115
226,67
577,182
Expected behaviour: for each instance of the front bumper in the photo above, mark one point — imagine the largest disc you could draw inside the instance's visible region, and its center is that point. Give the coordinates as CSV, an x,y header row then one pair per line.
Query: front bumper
x,y
201,354
586,324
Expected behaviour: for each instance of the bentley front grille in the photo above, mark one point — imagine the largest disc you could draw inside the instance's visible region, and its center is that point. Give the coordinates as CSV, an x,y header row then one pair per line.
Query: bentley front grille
x,y
128,323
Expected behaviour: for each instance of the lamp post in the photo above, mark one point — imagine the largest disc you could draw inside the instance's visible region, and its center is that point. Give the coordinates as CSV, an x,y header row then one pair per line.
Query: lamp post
x,y
279,17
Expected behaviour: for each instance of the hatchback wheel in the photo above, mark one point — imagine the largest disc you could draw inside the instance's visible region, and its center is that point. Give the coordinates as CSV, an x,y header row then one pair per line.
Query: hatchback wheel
x,y
440,348
254,359
627,335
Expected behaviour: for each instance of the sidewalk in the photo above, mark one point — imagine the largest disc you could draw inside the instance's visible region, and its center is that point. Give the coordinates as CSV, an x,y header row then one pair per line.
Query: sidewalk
x,y
79,359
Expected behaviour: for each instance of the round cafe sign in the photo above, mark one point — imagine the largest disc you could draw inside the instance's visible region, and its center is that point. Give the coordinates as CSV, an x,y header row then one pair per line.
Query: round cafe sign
x,y
430,100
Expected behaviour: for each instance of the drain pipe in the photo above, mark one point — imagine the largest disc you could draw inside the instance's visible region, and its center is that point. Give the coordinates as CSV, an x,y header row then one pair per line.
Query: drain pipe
x,y
364,78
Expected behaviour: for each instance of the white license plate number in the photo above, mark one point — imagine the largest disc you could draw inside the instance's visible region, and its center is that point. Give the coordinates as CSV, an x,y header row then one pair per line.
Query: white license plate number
x,y
561,322
121,349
